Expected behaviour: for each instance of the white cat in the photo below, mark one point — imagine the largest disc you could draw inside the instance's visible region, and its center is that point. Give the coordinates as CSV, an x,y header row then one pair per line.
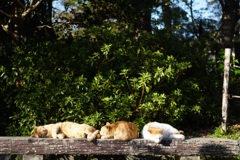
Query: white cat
x,y
156,131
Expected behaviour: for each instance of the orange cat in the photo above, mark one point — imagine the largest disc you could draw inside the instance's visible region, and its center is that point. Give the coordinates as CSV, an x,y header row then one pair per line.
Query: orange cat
x,y
120,130
66,130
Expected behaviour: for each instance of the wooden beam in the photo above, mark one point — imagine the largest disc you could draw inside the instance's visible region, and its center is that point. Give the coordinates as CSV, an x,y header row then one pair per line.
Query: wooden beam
x,y
189,147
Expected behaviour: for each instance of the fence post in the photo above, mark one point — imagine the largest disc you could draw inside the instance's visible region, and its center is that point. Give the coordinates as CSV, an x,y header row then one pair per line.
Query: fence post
x,y
227,56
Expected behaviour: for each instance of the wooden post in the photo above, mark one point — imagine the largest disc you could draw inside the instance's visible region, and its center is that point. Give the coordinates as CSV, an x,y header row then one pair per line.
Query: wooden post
x,y
227,56
32,157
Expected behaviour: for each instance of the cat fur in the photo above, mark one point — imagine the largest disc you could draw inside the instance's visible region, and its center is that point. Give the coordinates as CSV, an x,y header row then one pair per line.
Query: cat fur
x,y
156,132
120,130
66,130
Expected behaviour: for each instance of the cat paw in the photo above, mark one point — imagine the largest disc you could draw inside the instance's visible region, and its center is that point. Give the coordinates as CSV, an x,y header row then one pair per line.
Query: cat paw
x,y
104,137
60,136
182,137
94,135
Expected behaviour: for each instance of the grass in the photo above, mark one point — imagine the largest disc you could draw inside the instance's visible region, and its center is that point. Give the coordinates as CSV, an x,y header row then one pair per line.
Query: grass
x,y
230,134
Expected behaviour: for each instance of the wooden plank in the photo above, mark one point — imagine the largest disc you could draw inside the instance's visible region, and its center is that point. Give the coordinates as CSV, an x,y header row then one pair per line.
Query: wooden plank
x,y
227,56
189,147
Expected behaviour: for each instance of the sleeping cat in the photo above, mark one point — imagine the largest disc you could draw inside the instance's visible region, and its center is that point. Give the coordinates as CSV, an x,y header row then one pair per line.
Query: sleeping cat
x,y
66,130
120,130
156,131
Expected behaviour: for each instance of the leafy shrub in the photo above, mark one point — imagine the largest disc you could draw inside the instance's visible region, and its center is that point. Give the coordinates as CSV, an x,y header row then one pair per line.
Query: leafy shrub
x,y
108,74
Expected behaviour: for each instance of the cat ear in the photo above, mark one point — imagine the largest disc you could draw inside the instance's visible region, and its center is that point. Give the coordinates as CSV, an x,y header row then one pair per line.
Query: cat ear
x,y
35,129
33,132
108,127
180,132
107,123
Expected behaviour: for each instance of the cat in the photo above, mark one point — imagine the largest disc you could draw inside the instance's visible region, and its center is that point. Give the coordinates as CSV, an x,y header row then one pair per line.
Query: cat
x,y
120,130
156,131
66,130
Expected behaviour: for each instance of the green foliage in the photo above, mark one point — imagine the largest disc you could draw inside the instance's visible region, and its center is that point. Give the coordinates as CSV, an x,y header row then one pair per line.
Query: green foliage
x,y
105,75
109,62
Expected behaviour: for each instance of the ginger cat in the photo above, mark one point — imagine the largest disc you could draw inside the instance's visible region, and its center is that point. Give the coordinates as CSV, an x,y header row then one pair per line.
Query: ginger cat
x,y
66,130
156,131
120,130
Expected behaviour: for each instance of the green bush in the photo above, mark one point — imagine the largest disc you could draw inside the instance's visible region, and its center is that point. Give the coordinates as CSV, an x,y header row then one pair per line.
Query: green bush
x,y
108,74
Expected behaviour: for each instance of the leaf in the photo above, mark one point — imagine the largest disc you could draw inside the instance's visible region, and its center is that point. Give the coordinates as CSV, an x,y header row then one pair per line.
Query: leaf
x,y
147,89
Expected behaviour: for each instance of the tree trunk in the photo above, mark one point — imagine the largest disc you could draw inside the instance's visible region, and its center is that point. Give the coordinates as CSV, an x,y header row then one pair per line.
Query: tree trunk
x,y
230,16
18,15
142,15
167,18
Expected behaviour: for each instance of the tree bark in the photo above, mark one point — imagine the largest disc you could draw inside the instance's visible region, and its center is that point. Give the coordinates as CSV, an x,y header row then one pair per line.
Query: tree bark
x,y
138,147
167,18
230,16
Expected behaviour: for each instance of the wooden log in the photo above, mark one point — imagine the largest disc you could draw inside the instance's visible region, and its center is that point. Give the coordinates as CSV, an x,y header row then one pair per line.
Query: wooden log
x,y
75,146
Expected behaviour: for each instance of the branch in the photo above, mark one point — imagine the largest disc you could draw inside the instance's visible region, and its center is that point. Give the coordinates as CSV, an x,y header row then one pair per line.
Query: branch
x,y
31,3
5,28
6,14
44,26
13,34
31,7
190,6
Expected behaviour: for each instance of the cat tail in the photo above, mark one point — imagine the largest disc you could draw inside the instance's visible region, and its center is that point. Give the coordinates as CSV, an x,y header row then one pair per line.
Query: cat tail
x,y
92,136
177,136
